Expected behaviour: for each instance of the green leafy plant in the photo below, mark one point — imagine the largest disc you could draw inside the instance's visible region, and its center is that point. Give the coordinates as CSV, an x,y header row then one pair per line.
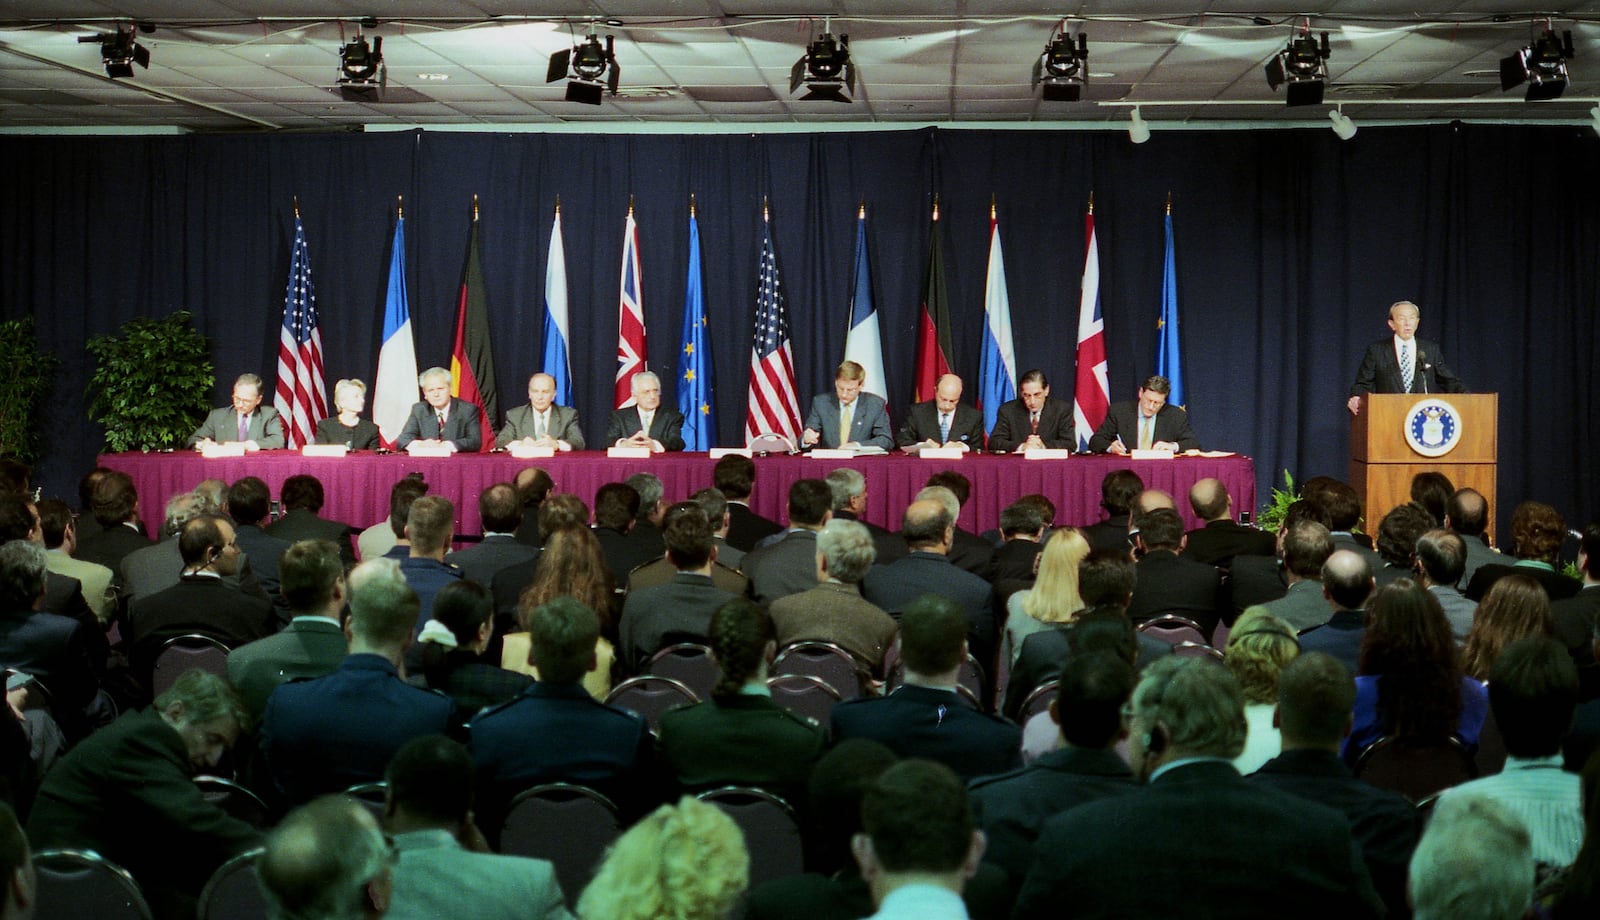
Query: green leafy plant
x,y
1271,517
151,383
25,373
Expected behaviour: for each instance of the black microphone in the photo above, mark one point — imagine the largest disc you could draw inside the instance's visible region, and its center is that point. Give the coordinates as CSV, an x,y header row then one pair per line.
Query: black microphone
x,y
1422,359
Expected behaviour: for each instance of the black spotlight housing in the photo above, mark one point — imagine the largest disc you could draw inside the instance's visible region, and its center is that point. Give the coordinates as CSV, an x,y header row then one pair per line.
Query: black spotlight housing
x,y
1063,68
362,73
825,70
120,50
592,68
1301,68
1542,65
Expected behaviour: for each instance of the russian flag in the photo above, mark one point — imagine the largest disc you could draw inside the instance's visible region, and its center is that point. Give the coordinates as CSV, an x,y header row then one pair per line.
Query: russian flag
x,y
997,362
556,362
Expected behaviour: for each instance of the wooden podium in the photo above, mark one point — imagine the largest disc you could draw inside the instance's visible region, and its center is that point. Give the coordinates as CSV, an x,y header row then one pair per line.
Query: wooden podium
x,y
1383,460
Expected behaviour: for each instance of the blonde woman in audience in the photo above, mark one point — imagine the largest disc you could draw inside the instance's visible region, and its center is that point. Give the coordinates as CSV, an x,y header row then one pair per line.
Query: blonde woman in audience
x,y
573,565
1260,646
1054,596
682,862
1516,606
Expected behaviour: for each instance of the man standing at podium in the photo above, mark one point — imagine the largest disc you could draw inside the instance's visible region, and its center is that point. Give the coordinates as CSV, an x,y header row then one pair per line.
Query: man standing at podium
x,y
1403,363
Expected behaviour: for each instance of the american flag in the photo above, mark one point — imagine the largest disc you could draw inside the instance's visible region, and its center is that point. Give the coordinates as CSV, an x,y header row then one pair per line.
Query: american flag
x,y
302,397
632,355
1091,393
774,407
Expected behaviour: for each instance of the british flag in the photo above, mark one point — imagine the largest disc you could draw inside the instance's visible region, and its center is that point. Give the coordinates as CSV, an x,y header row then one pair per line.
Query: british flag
x,y
302,397
632,355
1091,393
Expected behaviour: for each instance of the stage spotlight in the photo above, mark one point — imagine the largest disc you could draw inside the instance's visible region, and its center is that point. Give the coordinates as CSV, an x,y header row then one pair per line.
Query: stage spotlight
x,y
1138,131
120,50
1342,125
593,69
1302,67
362,73
1542,65
825,71
1063,68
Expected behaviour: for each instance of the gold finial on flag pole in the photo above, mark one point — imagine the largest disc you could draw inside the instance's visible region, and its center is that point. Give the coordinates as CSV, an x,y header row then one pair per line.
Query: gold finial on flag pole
x,y
936,206
400,206
474,207
1169,203
558,204
862,211
992,208
691,204
630,205
766,210
297,207
1091,201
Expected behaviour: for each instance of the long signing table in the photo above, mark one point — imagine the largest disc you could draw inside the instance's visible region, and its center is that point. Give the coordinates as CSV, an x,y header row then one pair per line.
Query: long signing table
x,y
357,485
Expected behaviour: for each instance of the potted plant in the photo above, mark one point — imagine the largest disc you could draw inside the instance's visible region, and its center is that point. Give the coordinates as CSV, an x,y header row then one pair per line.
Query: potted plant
x,y
151,383
25,373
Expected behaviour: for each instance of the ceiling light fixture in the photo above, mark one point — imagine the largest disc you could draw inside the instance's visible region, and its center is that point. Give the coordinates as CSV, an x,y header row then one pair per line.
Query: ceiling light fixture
x,y
1542,65
120,50
362,73
593,69
1342,125
1063,68
825,70
1302,67
1138,131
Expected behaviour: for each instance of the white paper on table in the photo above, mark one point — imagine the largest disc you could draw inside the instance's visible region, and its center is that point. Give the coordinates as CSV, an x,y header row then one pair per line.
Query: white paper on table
x,y
717,453
417,449
324,450
629,453
530,451
1150,454
941,453
221,450
1046,453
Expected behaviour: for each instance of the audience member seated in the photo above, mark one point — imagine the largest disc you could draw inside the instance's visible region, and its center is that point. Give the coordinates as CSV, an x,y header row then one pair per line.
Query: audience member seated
x,y
685,861
1023,527
247,504
1346,584
53,649
533,486
327,860
1468,515
127,792
60,535
330,733
662,571
735,475
740,737
1431,491
1305,547
1532,691
1343,506
1440,558
1397,542
1315,697
115,504
387,537
555,512
313,643
1411,684
616,511
918,845
1013,807
1515,607
925,717
1259,646
1474,861
1169,583
452,645
302,497
1117,491
430,525
584,741
834,611
501,514
929,527
87,525
1536,534
1266,853
1576,617
1222,537
681,609
1257,580
968,551
715,505
152,569
1575,893
570,566
646,532
443,866
788,564
849,487
1054,598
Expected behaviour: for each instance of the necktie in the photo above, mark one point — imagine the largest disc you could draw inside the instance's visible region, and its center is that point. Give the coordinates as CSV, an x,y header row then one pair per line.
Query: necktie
x,y
244,427
538,425
1406,369
1146,435
944,429
647,419
845,417
1033,422
441,424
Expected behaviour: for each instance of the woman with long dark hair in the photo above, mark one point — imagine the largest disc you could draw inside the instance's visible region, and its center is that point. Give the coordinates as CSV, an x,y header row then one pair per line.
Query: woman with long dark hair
x,y
572,565
1516,606
452,641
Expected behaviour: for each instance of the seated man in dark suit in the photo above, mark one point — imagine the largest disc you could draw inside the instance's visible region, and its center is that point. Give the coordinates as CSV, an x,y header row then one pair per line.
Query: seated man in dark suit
x,y
247,503
1467,513
789,565
968,551
557,511
1012,807
646,532
1316,696
542,423
313,643
327,734
1267,854
646,423
600,746
501,513
1576,617
1346,583
929,530
616,512
441,419
1033,419
680,610
1146,423
1117,492
850,503
1168,582
1222,537
302,497
735,475
54,649
944,421
258,426
847,417
1342,504
925,717
1305,546
430,524
116,510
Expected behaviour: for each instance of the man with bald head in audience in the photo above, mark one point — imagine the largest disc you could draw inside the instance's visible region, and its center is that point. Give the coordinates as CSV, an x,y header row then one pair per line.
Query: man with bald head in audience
x,y
1347,582
1222,537
1467,513
328,860
928,527
1440,558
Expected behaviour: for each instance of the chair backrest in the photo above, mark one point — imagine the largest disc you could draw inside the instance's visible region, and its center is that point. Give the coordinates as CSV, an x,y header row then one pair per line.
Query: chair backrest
x,y
371,795
76,884
234,799
569,825
1415,769
180,654
689,663
1490,757
971,677
771,830
1173,629
650,696
824,660
1188,649
1219,636
804,695
232,892
1038,700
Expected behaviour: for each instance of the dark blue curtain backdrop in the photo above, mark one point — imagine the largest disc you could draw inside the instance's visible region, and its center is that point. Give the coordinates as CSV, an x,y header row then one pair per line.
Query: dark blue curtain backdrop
x,y
1290,246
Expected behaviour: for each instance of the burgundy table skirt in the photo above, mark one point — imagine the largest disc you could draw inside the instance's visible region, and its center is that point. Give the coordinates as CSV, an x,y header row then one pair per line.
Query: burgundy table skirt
x,y
357,485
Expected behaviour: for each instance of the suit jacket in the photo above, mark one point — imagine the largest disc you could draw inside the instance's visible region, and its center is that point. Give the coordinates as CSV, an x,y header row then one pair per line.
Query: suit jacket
x,y
887,544
1340,637
1575,618
922,424
332,732
1122,420
662,571
426,577
926,722
1039,661
1014,559
109,546
1011,426
1169,583
1219,541
972,553
741,740
746,528
869,426
461,426
363,435
1479,554
93,580
1380,370
497,551
1556,584
679,610
837,613
1109,535
564,426
435,877
265,550
786,567
666,426
222,426
196,604
622,555
308,647
54,649
894,586
1302,606
303,524
1273,855
1255,580
1013,807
